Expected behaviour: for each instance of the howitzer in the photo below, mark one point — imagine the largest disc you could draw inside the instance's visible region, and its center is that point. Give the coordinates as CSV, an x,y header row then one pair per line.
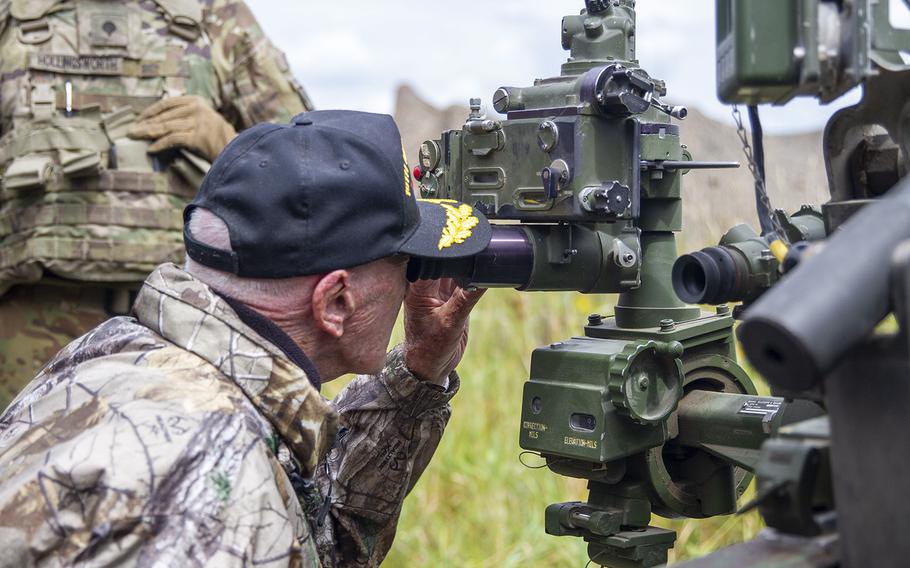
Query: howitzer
x,y
582,182
828,487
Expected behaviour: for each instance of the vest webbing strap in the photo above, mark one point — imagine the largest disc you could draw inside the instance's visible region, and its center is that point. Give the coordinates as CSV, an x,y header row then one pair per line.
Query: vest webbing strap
x,y
79,134
185,17
89,214
106,103
118,180
54,248
115,181
31,9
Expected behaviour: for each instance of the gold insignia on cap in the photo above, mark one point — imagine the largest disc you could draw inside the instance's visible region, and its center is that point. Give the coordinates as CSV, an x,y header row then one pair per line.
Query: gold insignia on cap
x,y
407,173
459,222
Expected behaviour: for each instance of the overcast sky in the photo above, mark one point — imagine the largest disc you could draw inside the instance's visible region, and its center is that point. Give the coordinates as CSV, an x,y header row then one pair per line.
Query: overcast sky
x,y
354,54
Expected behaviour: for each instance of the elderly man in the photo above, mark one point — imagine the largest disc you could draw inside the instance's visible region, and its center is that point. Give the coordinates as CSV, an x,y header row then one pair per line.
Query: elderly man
x,y
193,433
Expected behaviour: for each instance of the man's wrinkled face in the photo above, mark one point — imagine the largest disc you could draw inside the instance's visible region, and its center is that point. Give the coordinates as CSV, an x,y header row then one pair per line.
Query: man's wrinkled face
x,y
379,288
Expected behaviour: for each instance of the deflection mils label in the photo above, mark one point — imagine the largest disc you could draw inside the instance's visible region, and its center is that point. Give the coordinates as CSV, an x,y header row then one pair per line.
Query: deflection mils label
x,y
534,429
760,407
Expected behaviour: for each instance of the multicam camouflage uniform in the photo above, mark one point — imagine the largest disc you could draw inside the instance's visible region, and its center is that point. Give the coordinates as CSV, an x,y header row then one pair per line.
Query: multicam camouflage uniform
x,y
81,203
183,438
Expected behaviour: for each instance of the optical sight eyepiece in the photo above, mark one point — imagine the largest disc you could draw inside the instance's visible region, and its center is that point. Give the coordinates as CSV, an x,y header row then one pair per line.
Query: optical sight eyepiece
x,y
708,276
505,263
538,257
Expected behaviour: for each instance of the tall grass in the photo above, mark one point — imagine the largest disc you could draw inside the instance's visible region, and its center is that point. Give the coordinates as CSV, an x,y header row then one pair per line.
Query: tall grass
x,y
477,505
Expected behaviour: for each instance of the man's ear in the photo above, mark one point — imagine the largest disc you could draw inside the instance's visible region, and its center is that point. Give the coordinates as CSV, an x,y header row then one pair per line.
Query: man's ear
x,y
333,302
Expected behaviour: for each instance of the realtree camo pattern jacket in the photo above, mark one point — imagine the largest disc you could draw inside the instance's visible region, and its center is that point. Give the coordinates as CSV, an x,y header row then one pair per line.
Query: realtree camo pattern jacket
x,y
180,437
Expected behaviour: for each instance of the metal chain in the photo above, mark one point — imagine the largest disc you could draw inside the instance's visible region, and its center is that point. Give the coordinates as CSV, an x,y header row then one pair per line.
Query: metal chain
x,y
759,182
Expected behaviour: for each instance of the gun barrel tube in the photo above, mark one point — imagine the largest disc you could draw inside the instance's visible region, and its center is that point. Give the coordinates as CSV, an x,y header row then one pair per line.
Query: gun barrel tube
x,y
798,330
734,420
727,419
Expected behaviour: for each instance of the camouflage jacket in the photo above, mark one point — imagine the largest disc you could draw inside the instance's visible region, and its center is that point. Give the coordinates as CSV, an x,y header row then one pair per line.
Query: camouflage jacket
x,y
182,437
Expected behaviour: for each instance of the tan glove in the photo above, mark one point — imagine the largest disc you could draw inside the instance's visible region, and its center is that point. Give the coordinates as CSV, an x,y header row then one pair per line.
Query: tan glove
x,y
183,121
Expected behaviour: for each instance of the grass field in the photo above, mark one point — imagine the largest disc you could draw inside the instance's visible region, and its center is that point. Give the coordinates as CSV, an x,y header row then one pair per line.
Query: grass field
x,y
477,505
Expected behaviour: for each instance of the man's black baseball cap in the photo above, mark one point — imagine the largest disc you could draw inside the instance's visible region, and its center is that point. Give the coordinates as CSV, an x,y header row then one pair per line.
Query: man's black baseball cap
x,y
329,190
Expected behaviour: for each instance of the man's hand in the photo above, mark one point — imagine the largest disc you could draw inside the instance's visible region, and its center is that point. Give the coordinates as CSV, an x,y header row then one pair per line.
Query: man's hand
x,y
436,327
183,121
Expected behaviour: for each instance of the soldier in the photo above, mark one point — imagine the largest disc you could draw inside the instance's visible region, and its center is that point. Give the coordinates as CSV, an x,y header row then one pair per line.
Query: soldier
x,y
193,433
110,113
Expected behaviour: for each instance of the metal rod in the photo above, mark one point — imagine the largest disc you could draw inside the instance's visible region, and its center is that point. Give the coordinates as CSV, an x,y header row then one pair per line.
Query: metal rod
x,y
685,165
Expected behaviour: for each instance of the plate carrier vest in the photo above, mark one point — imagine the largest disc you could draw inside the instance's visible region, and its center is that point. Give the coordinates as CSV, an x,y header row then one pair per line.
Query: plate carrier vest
x,y
79,199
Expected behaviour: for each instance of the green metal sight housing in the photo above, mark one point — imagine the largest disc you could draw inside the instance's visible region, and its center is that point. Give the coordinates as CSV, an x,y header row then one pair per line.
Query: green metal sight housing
x,y
802,52
582,183
773,51
742,267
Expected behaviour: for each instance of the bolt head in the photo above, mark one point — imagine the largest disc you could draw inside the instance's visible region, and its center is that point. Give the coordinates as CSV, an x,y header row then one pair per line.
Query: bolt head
x,y
501,100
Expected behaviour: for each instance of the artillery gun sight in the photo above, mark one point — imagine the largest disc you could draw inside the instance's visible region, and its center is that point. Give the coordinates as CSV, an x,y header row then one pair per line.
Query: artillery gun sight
x,y
581,181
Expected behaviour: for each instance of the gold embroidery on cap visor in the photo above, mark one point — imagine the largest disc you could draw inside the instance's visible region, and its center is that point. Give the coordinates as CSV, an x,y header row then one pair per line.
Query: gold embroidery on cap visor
x,y
407,173
459,222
